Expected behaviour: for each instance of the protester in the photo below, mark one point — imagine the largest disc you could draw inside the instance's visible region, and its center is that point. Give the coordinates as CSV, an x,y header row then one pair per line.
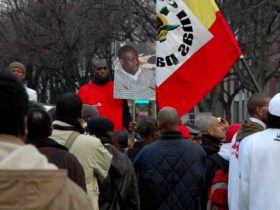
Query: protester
x,y
28,181
19,70
131,80
119,191
148,132
259,158
257,108
217,173
39,130
99,93
92,155
213,133
170,171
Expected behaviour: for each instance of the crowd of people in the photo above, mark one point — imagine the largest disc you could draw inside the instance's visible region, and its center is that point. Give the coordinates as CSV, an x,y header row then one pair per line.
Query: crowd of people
x,y
88,154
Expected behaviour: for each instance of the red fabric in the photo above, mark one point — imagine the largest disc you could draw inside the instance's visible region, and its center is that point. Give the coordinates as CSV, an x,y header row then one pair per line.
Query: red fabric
x,y
205,69
101,96
184,131
232,129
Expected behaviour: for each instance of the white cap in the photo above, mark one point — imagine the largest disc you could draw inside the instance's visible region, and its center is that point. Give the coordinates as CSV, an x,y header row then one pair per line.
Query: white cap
x,y
274,105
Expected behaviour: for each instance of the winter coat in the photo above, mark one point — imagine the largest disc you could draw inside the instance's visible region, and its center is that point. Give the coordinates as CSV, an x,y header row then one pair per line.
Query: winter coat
x,y
250,126
93,156
29,182
210,144
171,173
119,191
52,150
215,162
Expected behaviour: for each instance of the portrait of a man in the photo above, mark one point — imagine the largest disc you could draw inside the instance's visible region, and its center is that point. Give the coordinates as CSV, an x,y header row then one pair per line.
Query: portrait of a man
x,y
131,80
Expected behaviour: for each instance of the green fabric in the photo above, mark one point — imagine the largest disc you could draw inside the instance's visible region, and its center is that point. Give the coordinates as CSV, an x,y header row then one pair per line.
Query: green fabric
x,y
248,127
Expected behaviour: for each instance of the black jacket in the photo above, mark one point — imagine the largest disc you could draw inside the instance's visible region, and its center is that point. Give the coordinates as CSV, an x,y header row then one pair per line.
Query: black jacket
x,y
211,145
119,191
171,173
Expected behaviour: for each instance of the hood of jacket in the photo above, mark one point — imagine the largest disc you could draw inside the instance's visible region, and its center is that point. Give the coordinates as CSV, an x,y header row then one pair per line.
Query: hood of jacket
x,y
224,151
30,189
248,127
15,155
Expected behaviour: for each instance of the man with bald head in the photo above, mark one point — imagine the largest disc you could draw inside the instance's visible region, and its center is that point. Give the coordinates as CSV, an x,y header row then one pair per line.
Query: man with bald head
x,y
212,130
171,171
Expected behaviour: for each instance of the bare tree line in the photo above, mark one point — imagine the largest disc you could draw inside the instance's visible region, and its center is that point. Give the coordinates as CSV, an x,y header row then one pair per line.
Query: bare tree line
x,y
58,38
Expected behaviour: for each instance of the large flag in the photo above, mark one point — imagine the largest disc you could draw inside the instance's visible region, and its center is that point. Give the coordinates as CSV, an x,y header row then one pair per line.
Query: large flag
x,y
195,50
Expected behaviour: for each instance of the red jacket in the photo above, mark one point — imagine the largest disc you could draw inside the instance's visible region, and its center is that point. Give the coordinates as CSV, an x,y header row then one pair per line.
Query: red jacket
x,y
101,96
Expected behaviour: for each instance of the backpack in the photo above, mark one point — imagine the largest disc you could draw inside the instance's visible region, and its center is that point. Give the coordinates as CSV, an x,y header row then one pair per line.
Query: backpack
x,y
218,192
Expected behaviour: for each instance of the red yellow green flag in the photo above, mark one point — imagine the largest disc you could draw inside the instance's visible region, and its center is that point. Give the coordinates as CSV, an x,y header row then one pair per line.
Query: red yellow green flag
x,y
195,50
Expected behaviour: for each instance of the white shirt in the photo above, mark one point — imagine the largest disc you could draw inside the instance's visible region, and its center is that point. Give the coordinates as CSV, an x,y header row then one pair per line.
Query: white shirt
x,y
234,169
259,186
32,95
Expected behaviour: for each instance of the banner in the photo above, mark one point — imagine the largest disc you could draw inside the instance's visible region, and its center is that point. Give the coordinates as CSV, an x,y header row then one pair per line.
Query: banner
x,y
195,50
134,76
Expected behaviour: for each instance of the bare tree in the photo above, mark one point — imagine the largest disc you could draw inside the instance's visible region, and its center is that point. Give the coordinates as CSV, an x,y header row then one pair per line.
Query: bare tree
x,y
256,25
58,38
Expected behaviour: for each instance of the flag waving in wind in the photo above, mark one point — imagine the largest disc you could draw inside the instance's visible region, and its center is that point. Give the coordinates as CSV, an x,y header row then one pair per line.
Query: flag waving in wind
x,y
195,50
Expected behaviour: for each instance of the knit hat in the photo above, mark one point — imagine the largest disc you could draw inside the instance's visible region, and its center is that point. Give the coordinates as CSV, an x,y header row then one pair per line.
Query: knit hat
x,y
274,106
17,65
184,131
99,62
232,129
100,126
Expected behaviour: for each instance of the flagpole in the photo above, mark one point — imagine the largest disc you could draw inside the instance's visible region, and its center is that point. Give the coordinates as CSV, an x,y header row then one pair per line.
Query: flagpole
x,y
250,73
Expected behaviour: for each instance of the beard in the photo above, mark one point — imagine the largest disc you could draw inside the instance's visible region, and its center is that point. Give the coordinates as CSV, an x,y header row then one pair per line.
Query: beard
x,y
101,81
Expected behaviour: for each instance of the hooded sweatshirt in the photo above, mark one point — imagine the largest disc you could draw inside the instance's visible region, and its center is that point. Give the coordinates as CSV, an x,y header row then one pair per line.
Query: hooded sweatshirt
x,y
28,181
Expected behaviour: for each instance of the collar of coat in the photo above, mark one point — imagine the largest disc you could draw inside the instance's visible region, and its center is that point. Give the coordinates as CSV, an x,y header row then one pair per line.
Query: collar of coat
x,y
210,141
46,142
170,135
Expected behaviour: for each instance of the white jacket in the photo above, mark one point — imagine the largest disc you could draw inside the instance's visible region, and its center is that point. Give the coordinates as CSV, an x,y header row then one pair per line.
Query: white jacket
x,y
233,175
234,170
259,186
93,156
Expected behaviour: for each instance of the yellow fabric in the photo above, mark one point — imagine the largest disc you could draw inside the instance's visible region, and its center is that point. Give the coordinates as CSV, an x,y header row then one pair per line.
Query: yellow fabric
x,y
204,10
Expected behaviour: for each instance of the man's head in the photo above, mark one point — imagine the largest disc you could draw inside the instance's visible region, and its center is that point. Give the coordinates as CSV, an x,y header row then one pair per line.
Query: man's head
x,y
18,69
39,123
273,115
128,58
168,119
121,138
69,108
148,129
212,126
257,106
89,112
100,127
13,106
100,70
